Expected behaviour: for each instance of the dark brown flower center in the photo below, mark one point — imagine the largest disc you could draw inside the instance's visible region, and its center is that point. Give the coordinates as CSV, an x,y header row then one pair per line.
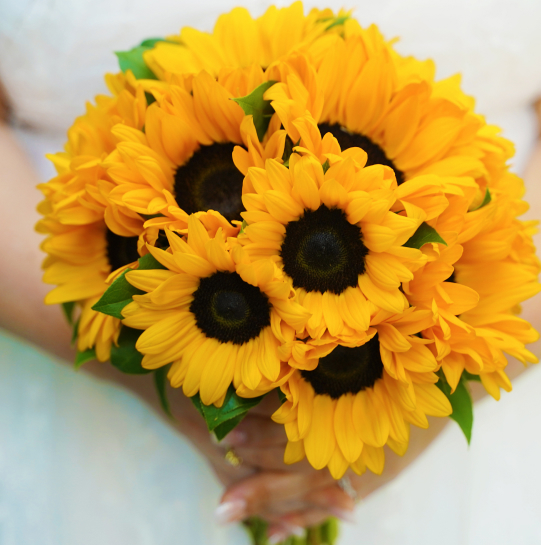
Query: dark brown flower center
x,y
210,181
121,251
322,251
376,155
230,310
347,370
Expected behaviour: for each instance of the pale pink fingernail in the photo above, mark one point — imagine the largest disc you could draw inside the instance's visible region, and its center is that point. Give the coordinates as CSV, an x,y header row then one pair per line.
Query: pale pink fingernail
x,y
236,438
342,514
230,511
277,538
297,531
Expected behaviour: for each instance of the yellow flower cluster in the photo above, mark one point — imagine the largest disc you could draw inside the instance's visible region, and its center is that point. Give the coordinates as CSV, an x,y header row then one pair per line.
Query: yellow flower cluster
x,y
298,261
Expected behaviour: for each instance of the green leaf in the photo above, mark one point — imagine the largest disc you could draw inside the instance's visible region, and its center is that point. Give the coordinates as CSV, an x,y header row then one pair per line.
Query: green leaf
x,y
486,200
337,21
288,150
461,402
133,60
150,99
254,104
196,400
117,296
125,357
120,292
326,166
234,408
243,226
83,357
149,43
470,377
424,235
160,380
149,262
75,331
223,429
68,309
281,396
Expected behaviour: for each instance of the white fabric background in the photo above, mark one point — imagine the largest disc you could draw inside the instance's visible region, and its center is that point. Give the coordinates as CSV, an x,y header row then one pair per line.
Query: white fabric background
x,y
83,463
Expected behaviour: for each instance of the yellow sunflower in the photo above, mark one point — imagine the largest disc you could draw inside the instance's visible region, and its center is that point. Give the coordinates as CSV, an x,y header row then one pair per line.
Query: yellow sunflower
x,y
473,287
182,163
238,40
215,315
344,402
334,233
82,249
366,95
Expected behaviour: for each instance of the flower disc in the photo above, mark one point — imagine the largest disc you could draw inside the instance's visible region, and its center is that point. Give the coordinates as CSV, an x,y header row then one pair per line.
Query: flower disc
x,y
376,154
322,251
230,310
347,370
121,251
210,180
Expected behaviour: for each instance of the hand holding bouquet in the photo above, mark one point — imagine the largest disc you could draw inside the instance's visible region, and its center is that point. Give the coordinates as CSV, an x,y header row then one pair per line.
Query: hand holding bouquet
x,y
288,204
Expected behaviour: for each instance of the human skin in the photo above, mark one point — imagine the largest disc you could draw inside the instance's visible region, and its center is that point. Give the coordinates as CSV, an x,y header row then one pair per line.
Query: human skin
x,y
289,497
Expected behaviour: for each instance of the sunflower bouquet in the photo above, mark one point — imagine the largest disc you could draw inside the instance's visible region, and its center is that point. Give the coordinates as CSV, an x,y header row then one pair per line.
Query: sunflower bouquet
x,y
289,204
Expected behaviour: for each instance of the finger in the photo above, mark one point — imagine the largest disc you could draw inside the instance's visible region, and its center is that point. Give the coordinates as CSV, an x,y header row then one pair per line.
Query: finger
x,y
278,532
257,431
271,458
271,493
334,500
307,518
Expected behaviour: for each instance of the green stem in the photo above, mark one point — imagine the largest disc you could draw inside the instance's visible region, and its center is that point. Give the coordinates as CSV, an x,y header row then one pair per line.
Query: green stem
x,y
325,534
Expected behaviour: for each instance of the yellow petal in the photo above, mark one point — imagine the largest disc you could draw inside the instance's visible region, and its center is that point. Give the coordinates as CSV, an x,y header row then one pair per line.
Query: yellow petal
x,y
294,452
218,373
282,206
320,441
377,238
370,419
431,400
197,359
374,458
338,464
346,436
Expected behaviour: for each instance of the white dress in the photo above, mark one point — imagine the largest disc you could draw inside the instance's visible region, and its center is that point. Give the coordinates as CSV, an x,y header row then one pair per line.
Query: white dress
x,y
85,463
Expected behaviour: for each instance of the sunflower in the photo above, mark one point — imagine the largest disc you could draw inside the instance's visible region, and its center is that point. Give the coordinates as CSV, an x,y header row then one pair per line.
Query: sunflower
x,y
182,163
500,264
240,41
473,287
215,315
344,402
367,95
82,245
334,235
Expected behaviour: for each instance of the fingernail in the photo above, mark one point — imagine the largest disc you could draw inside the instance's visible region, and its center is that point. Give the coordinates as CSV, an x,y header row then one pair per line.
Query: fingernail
x,y
230,511
342,514
277,538
236,438
297,531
